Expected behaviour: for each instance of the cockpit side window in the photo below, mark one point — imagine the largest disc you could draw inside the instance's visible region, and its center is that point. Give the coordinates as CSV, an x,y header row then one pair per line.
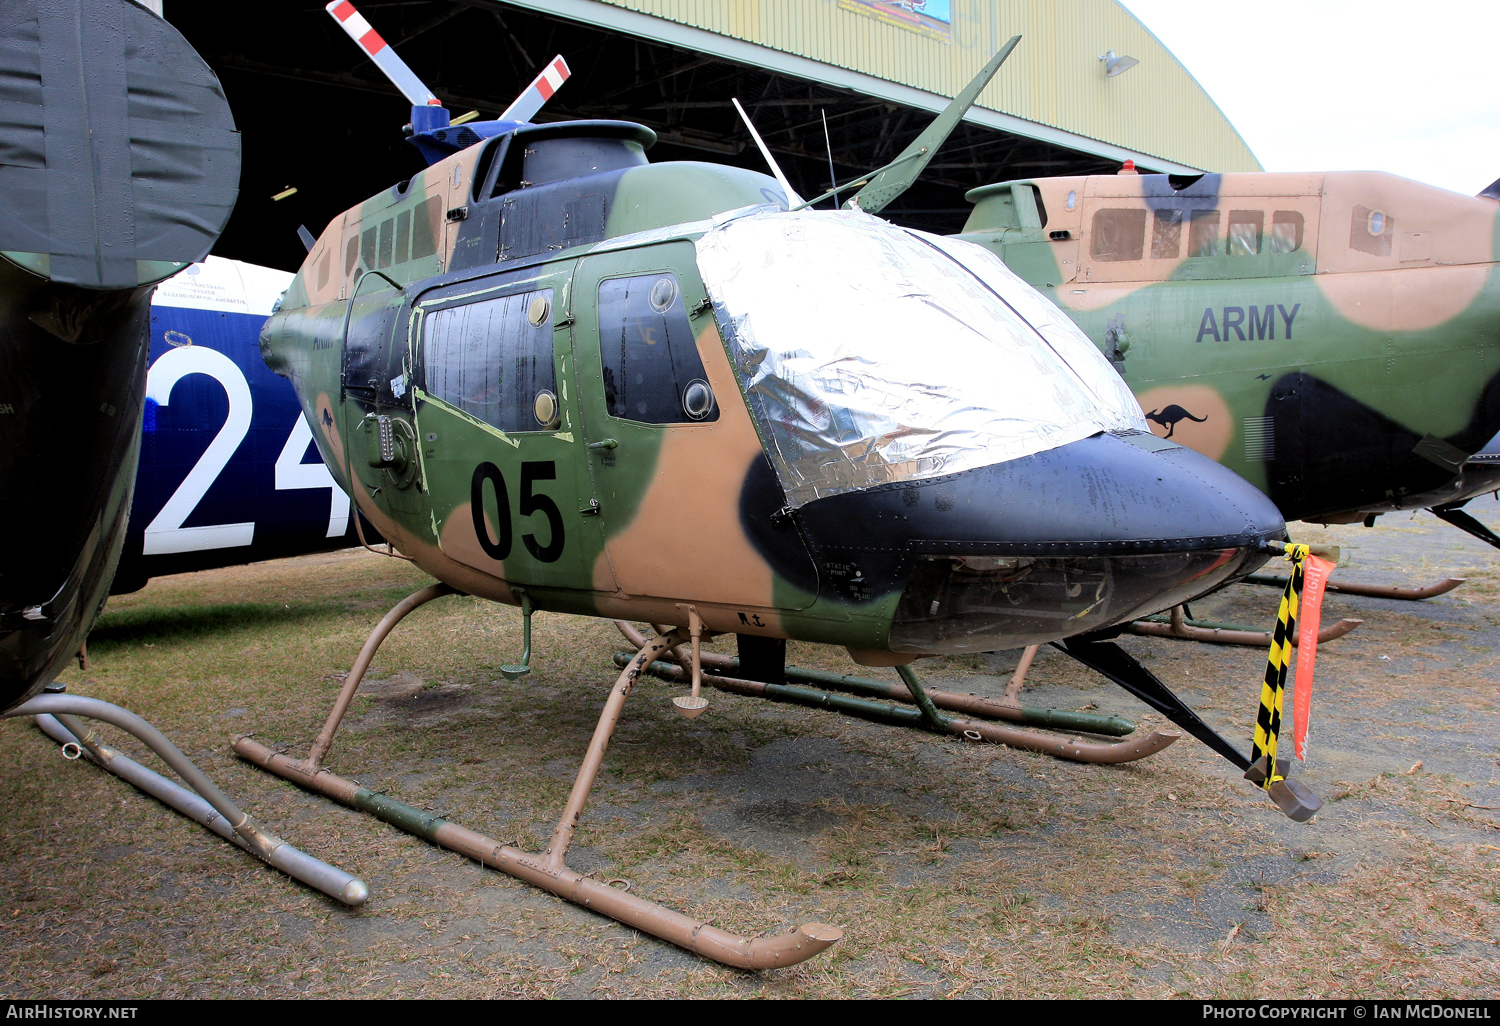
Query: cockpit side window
x,y
1041,206
493,360
1166,235
1203,233
652,370
1245,228
1119,234
1286,231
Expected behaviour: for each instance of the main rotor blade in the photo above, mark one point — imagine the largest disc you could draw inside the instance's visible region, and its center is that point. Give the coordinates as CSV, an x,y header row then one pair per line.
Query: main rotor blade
x,y
792,199
892,183
379,51
539,92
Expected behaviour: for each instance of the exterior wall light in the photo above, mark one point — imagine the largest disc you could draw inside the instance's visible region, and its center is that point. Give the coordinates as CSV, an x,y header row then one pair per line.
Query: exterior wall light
x,y
1116,65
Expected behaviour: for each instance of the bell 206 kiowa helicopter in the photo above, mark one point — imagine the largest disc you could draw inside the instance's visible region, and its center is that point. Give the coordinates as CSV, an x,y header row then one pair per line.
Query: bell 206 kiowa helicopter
x,y
1330,337
558,376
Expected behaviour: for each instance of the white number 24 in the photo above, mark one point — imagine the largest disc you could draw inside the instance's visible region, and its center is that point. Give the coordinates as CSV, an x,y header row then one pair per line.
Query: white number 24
x,y
165,534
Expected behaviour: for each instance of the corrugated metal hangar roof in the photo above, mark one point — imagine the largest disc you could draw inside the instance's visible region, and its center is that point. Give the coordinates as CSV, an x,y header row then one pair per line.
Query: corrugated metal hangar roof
x,y
1054,88
317,115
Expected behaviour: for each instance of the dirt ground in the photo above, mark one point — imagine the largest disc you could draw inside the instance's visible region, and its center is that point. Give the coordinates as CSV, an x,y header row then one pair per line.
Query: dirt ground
x,y
955,869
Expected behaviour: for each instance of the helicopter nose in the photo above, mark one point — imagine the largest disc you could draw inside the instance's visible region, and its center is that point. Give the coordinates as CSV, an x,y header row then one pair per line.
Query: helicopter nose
x,y
1037,549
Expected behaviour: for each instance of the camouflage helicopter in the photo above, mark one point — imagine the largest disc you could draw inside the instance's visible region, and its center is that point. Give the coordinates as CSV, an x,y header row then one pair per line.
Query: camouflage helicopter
x,y
1330,337
558,376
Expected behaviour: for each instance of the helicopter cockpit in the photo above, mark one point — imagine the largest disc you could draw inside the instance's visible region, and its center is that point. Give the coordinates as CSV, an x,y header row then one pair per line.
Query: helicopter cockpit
x,y
915,395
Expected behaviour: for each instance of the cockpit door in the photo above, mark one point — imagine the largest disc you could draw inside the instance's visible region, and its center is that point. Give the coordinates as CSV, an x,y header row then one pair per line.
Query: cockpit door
x,y
496,412
678,467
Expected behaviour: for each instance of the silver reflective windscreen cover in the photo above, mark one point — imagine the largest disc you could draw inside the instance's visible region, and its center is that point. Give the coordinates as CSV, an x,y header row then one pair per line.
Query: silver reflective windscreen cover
x,y
871,354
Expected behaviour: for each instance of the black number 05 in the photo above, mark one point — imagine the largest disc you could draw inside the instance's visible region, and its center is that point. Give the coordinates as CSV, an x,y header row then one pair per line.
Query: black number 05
x,y
530,472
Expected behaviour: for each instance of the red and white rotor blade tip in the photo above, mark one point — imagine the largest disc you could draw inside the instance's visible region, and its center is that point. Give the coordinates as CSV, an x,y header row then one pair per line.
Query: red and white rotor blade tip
x,y
539,92
379,51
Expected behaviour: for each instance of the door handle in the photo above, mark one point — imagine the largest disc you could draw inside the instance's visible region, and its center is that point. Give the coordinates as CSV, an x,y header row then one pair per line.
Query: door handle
x,y
604,443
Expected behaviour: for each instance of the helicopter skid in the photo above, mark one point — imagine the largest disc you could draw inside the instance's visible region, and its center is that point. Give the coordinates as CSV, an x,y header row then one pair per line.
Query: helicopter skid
x,y
548,870
1386,591
56,715
1181,629
1009,708
903,715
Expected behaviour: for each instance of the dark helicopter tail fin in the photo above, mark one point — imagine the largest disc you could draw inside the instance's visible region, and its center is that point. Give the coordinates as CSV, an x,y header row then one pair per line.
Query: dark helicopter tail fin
x,y
898,176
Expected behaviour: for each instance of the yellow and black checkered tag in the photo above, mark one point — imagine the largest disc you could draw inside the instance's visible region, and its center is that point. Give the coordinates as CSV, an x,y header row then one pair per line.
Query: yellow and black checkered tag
x,y
1268,719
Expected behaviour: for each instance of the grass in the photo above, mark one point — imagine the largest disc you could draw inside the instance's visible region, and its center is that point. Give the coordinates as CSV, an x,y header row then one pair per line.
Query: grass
x,y
955,869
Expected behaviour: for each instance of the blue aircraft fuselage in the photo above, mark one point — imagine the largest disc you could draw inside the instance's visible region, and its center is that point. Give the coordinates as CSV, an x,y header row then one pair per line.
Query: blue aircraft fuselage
x,y
228,472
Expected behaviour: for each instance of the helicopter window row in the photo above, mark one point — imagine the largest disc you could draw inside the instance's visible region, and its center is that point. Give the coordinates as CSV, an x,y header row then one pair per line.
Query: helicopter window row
x,y
652,370
1119,233
410,235
493,360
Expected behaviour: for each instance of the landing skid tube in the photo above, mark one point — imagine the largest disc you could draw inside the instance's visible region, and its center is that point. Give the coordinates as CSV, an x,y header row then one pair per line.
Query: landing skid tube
x,y
1180,628
1008,708
56,715
1464,522
1385,591
898,713
913,705
547,870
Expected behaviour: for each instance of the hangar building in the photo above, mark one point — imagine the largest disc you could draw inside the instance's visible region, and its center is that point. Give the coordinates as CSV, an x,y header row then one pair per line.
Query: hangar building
x,y
316,115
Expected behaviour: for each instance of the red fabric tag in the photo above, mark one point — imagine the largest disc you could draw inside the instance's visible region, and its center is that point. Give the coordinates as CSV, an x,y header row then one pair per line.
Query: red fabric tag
x,y
1315,575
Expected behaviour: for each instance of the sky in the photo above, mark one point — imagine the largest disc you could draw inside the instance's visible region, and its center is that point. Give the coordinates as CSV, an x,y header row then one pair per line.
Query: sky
x,y
1336,85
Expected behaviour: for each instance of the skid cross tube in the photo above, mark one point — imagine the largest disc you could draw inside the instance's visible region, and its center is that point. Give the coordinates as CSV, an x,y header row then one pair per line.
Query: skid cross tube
x,y
548,870
387,623
1119,666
